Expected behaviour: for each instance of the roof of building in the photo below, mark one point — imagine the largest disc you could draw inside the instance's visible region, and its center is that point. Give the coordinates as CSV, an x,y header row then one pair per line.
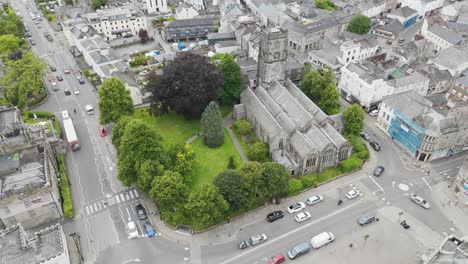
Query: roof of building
x,y
407,79
450,36
314,27
395,26
409,103
221,36
463,80
405,12
451,58
94,43
199,21
112,14
19,248
463,16
8,118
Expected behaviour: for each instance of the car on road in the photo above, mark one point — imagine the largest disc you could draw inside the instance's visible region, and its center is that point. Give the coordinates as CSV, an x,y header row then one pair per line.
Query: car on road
x,y
296,207
76,92
103,133
375,145
273,216
366,219
66,91
258,239
54,86
352,194
66,70
420,201
132,230
26,29
141,211
244,244
374,112
52,68
28,34
322,239
379,170
128,36
36,22
302,216
59,77
149,229
143,73
80,80
299,250
32,42
314,199
365,136
277,259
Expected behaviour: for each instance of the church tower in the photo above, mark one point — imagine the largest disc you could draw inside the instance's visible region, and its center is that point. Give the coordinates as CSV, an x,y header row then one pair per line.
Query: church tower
x,y
272,56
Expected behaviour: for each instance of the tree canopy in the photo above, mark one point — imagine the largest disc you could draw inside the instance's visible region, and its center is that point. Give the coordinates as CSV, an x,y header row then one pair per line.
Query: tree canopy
x,y
98,4
114,101
230,91
143,35
212,126
273,180
258,151
181,159
206,204
138,143
325,4
170,190
11,24
359,24
319,86
8,43
188,84
353,120
231,186
119,129
147,172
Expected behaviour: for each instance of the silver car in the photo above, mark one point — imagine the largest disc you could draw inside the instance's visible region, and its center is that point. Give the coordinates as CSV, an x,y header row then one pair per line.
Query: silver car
x,y
420,201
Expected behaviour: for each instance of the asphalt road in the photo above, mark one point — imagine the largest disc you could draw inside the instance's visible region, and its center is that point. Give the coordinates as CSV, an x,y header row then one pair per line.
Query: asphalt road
x,y
103,206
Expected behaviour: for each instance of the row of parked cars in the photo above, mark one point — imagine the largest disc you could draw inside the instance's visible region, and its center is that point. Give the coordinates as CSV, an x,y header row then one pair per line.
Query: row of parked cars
x,y
147,226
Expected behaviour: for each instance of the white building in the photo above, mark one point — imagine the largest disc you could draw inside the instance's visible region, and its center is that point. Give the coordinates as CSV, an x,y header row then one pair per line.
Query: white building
x,y
185,11
114,23
440,36
424,7
366,83
156,6
372,8
453,59
199,5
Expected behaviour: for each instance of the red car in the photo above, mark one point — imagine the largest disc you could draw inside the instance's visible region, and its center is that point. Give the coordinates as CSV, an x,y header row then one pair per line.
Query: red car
x,y
102,132
277,259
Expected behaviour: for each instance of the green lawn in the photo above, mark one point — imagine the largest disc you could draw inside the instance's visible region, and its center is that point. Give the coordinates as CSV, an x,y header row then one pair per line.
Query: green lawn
x,y
211,161
173,128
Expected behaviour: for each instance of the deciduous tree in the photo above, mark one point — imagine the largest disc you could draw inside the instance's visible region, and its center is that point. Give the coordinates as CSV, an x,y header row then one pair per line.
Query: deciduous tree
x,y
273,180
206,205
169,190
119,129
188,85
353,120
8,43
250,172
359,24
139,143
319,86
148,170
258,151
98,4
243,126
212,126
231,88
181,159
11,24
232,187
143,35
114,101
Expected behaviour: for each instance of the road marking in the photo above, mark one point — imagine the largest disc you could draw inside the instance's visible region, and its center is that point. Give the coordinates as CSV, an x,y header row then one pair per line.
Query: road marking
x,y
131,194
91,209
127,196
136,193
122,197
117,199
427,183
95,207
289,233
100,206
376,183
87,210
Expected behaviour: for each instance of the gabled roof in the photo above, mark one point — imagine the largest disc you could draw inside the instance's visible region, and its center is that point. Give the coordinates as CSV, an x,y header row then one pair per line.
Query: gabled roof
x,y
446,34
405,12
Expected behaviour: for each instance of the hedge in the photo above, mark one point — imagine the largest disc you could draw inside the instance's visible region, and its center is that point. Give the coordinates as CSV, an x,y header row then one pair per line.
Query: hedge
x,y
308,181
41,114
295,186
67,203
350,164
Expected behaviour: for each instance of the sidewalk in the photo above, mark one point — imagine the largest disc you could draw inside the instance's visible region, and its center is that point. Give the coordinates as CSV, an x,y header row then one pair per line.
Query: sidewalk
x,y
444,198
228,121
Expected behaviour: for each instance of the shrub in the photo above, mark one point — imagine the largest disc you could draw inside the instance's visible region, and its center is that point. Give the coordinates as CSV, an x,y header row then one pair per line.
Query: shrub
x,y
258,152
139,61
350,164
308,181
67,204
295,186
41,114
242,126
359,148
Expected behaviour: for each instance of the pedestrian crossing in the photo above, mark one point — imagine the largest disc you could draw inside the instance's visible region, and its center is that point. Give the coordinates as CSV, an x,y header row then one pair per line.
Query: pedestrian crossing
x,y
102,204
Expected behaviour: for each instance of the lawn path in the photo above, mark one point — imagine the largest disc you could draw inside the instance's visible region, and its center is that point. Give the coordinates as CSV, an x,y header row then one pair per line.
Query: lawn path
x,y
228,121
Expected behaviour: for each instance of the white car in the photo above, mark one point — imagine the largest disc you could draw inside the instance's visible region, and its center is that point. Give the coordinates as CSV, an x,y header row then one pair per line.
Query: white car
x,y
314,199
302,216
374,112
76,92
420,201
296,207
132,230
352,194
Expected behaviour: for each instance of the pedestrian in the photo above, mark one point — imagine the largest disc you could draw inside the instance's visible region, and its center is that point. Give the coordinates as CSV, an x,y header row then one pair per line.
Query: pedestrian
x,y
350,245
229,219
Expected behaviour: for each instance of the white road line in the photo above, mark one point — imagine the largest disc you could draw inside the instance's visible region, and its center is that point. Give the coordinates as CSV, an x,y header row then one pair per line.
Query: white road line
x,y
127,196
100,206
91,209
117,199
131,194
268,242
95,207
136,193
122,197
427,183
87,210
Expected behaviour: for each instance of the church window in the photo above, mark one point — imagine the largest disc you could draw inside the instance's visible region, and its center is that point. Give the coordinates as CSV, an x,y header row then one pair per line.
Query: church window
x,y
281,144
310,162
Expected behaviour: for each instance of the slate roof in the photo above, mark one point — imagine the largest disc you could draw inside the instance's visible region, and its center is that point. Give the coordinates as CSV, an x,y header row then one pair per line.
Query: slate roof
x,y
395,27
446,34
463,16
199,21
409,103
452,58
405,12
313,27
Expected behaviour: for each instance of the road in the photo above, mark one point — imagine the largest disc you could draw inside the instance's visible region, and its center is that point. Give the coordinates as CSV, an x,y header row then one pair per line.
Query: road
x,y
103,206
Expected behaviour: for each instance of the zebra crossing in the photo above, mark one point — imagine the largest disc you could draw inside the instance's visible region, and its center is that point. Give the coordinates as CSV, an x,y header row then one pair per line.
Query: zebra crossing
x,y
118,198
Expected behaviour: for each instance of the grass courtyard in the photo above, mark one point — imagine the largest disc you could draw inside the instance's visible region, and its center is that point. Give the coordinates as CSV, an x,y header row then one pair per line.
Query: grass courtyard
x,y
175,129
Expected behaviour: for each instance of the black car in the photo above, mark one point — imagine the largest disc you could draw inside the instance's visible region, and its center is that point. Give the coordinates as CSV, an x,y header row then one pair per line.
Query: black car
x,y
141,212
375,145
379,170
52,68
59,77
273,216
365,136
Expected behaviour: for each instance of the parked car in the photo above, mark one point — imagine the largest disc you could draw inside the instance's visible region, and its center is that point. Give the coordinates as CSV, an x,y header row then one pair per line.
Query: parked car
x,y
374,112
76,92
81,81
322,239
132,230
66,70
379,170
52,68
32,42
66,91
273,216
302,216
352,194
366,219
141,212
365,136
59,77
420,201
375,145
258,239
244,244
299,250
149,229
296,207
128,36
102,132
314,199
143,73
277,259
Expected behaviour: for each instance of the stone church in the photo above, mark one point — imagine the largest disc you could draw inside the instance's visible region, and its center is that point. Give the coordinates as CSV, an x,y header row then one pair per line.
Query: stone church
x,y
299,134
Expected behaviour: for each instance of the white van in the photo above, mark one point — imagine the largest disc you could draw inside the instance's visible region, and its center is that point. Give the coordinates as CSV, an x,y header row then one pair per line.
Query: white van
x,y
322,239
65,115
89,109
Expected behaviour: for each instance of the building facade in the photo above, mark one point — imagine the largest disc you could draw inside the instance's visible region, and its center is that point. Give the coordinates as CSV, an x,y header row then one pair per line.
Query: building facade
x,y
156,6
423,7
405,15
115,23
458,93
190,29
299,134
460,185
440,36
